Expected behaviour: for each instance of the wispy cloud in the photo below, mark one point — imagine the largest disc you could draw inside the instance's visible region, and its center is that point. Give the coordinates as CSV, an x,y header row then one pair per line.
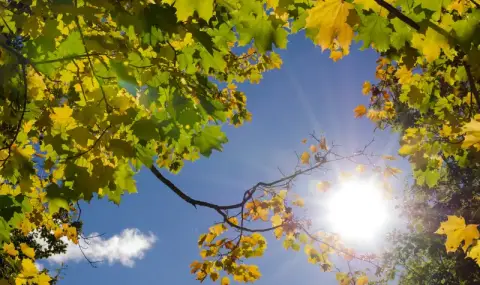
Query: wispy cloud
x,y
126,248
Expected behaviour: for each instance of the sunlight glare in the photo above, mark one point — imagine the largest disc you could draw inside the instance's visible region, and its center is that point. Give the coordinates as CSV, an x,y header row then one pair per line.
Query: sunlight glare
x,y
357,210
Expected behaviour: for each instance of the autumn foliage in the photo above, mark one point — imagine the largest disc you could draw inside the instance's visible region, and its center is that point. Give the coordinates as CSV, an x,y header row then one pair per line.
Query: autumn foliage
x,y
92,91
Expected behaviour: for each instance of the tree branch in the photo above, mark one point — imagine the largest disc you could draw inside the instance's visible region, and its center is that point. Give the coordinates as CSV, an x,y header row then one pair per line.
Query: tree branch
x,y
71,57
471,82
395,12
108,107
91,147
475,3
22,115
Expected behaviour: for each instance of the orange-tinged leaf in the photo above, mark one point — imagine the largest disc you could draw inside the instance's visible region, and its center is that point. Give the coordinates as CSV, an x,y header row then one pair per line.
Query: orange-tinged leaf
x,y
335,55
388,157
214,276
305,158
360,168
391,171
366,87
195,266
313,148
28,251
362,280
304,141
360,111
323,144
233,220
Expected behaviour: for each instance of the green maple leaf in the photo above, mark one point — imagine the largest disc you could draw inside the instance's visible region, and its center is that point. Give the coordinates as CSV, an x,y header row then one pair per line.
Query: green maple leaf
x,y
402,34
186,8
210,138
375,30
432,177
124,178
434,5
73,45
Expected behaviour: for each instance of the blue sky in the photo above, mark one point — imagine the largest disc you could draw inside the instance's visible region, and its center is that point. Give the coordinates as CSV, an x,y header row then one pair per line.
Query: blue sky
x,y
309,93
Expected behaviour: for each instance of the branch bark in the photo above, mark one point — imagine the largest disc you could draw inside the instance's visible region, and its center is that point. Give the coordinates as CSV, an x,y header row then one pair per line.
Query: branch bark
x,y
395,12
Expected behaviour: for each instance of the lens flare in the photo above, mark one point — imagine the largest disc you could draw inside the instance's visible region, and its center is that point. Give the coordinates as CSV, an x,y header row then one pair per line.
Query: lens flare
x,y
357,210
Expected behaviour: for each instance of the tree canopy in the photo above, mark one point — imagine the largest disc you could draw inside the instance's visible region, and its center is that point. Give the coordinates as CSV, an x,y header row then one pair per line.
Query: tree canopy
x,y
95,90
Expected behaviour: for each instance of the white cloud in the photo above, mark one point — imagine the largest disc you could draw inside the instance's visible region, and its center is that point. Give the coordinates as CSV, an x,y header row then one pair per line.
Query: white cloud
x,y
127,247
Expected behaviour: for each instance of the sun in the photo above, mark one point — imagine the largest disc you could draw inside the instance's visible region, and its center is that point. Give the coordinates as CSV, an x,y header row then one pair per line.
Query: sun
x,y
357,210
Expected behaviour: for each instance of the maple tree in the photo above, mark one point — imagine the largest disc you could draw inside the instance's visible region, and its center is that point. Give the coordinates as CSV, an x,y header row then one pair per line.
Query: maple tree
x,y
94,90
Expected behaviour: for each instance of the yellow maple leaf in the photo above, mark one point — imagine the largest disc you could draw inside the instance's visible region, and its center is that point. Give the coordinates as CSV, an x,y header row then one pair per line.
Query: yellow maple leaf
x,y
360,168
362,280
43,279
404,75
472,137
272,4
430,44
62,118
446,131
299,202
366,87
28,268
225,281
406,149
343,278
9,248
470,234
452,224
323,186
460,6
335,55
457,231
28,251
217,229
330,17
305,158
360,111
474,253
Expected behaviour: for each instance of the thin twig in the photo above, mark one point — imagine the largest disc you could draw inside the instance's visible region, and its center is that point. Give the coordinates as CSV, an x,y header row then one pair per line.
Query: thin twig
x,y
108,107
77,155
